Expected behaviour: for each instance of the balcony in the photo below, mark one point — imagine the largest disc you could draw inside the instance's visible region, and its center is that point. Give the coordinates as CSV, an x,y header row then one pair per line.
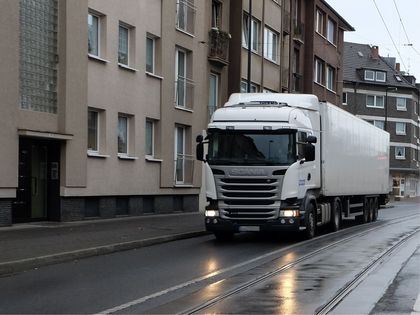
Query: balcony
x,y
218,47
298,31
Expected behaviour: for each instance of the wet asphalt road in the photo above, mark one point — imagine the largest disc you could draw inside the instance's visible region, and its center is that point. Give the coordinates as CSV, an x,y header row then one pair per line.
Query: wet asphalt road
x,y
178,276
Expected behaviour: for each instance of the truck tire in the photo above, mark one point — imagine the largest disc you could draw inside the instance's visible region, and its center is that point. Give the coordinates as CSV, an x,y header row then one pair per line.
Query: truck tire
x,y
365,216
375,210
310,222
335,215
223,236
371,210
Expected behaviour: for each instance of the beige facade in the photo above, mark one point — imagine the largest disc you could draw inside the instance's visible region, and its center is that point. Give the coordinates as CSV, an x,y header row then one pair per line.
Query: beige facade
x,y
114,131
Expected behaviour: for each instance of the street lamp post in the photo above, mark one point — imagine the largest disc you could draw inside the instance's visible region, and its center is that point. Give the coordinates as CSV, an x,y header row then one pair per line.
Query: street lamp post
x,y
388,88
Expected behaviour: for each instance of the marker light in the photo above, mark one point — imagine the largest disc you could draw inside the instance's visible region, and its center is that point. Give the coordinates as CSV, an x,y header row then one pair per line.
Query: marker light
x,y
212,213
289,213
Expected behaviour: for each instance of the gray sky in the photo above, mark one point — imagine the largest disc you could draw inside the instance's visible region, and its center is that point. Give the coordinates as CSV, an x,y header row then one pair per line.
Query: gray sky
x,y
370,29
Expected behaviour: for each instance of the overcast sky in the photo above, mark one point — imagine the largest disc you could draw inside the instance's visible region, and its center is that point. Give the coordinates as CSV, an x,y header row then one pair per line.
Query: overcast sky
x,y
370,29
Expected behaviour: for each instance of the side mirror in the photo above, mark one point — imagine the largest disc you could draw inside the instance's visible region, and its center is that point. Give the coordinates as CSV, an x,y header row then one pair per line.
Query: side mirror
x,y
199,151
311,139
309,152
199,138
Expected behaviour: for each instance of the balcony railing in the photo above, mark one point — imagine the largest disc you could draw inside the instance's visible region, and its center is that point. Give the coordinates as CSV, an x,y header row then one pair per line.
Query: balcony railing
x,y
218,46
185,16
184,93
298,30
184,169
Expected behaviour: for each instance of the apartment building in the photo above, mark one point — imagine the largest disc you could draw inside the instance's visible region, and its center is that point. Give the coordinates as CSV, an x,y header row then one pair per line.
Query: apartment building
x,y
101,102
376,90
296,46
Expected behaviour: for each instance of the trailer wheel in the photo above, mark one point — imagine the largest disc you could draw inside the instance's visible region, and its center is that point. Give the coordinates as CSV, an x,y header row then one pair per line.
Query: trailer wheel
x,y
371,210
223,236
375,209
336,215
365,217
310,222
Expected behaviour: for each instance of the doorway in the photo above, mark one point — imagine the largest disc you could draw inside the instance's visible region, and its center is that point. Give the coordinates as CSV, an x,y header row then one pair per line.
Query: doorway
x,y
37,196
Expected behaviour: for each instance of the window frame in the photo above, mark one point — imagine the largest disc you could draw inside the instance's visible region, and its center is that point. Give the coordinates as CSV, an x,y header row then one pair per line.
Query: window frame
x,y
179,51
400,128
244,87
334,27
124,26
216,14
375,102
98,34
255,23
319,71
212,108
402,156
330,78
177,129
379,124
344,98
368,78
153,65
127,131
320,22
97,130
380,72
150,122
401,107
275,38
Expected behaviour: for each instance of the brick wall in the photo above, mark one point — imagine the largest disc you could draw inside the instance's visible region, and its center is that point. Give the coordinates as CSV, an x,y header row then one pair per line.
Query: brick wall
x,y
5,212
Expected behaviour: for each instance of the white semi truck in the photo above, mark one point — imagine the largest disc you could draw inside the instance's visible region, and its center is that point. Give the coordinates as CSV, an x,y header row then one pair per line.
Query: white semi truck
x,y
279,162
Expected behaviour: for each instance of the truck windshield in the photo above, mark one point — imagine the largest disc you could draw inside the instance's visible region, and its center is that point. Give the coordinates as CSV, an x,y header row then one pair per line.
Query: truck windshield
x,y
228,147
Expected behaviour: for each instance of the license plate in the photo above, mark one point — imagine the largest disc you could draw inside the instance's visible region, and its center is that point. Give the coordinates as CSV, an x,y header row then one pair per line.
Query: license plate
x,y
249,228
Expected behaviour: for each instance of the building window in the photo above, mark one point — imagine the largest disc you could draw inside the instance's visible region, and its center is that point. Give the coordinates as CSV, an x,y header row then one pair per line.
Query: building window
x,y
150,54
123,134
38,50
123,45
331,31
320,17
380,76
183,85
93,131
216,14
375,101
213,93
271,45
244,87
369,75
185,15
400,128
255,31
93,35
379,123
330,78
150,138
344,98
179,154
318,71
401,104
400,153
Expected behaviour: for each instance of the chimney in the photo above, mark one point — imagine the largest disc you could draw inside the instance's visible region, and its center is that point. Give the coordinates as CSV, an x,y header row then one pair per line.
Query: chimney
x,y
397,67
375,52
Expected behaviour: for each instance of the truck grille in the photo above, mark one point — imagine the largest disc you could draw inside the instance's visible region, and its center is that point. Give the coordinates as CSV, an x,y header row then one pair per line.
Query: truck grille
x,y
245,198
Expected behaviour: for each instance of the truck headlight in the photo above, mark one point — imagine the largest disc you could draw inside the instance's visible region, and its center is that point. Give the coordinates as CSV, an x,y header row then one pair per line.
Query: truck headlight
x,y
212,213
289,213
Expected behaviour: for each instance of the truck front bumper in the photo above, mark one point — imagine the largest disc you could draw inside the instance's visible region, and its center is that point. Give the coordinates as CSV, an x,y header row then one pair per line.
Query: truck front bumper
x,y
218,224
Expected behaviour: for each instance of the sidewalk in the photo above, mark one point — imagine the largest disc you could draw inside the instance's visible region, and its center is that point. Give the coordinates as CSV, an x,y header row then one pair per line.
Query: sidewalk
x,y
26,246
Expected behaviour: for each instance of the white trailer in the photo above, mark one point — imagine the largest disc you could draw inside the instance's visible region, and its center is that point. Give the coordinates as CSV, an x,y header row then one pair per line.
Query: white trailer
x,y
290,162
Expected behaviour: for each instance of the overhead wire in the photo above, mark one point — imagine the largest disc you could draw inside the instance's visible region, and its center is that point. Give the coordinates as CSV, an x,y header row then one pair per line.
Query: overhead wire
x,y
405,31
390,36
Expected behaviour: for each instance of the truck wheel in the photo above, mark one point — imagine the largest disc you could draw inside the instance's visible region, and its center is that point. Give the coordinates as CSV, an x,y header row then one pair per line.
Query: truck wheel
x,y
310,222
375,210
335,215
371,210
365,217
223,236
